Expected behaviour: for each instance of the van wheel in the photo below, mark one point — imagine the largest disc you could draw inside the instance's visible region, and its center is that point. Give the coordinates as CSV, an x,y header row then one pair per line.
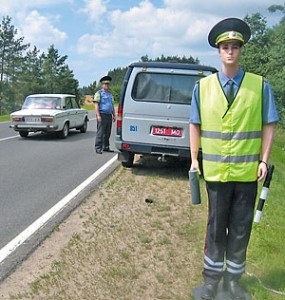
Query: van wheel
x,y
130,161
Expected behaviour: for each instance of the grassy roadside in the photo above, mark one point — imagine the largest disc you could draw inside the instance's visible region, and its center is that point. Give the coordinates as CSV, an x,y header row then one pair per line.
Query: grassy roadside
x,y
88,107
123,247
266,255
4,118
117,246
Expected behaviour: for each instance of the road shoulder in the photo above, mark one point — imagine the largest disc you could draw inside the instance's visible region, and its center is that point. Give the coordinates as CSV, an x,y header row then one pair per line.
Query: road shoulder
x,y
117,245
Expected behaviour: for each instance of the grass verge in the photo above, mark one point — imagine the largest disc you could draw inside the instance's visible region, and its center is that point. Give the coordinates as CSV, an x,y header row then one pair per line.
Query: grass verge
x,y
88,107
4,118
118,246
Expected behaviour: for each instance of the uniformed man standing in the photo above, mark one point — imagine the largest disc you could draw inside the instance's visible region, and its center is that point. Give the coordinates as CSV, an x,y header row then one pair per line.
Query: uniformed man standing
x,y
233,116
105,112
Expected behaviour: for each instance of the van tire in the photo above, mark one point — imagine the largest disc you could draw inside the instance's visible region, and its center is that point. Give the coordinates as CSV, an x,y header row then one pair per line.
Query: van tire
x,y
130,161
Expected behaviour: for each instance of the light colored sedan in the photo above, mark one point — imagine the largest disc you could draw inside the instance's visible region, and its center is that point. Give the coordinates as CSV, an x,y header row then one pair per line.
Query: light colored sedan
x,y
49,113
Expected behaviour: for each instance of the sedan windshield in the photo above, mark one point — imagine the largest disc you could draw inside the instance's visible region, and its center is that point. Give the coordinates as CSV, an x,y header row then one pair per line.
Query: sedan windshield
x,y
42,102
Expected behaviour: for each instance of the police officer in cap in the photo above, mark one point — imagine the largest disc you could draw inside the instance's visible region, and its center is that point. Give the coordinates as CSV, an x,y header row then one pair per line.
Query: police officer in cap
x,y
105,112
233,115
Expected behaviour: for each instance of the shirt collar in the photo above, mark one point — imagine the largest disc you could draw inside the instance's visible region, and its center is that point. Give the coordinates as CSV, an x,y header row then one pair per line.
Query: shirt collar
x,y
236,79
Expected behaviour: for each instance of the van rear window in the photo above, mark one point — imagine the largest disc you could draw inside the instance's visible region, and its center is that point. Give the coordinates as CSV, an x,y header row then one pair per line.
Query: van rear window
x,y
161,87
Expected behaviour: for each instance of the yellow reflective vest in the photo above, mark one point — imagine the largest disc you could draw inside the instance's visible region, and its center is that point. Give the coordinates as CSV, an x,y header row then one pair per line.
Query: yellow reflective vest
x,y
231,135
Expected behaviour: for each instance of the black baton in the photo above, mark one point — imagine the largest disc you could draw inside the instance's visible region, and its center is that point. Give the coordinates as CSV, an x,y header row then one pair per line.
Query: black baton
x,y
263,194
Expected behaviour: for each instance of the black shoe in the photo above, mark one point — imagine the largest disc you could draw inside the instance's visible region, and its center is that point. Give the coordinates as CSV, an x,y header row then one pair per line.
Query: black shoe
x,y
108,150
236,292
209,291
98,151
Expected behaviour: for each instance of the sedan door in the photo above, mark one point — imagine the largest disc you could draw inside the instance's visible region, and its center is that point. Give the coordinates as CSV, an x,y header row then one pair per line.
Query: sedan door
x,y
71,113
79,114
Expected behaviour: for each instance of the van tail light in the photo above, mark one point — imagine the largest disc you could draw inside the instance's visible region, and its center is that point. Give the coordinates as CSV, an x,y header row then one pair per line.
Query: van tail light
x,y
119,116
126,146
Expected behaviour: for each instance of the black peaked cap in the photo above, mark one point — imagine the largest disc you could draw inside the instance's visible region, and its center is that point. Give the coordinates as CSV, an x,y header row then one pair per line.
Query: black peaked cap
x,y
229,24
106,78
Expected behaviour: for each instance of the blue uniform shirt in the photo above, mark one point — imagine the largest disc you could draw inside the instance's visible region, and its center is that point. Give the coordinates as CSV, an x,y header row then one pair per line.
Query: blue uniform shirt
x,y
269,111
105,100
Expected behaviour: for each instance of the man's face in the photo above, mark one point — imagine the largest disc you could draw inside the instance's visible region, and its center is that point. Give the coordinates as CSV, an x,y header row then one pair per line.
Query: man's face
x,y
105,86
229,52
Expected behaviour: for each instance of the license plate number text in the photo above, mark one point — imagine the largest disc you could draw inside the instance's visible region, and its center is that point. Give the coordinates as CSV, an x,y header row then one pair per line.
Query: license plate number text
x,y
167,131
33,119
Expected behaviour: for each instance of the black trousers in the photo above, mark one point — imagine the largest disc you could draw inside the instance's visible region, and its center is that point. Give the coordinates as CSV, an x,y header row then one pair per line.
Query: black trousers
x,y
230,216
103,132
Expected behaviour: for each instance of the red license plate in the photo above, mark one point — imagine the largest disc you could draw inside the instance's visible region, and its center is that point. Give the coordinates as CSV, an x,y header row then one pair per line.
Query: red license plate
x,y
167,131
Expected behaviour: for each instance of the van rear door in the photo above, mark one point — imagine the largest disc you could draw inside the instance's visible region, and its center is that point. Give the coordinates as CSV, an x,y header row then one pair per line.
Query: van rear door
x,y
157,106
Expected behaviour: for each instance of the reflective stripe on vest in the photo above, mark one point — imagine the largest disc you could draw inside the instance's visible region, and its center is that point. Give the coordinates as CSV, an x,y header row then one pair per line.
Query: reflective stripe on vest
x,y
231,136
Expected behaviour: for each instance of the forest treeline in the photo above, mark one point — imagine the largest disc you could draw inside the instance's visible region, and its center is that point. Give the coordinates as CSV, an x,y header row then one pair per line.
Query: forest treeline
x,y
25,70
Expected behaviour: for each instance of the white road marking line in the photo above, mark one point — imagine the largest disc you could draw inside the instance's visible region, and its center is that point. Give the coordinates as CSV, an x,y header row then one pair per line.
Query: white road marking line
x,y
41,221
9,138
17,136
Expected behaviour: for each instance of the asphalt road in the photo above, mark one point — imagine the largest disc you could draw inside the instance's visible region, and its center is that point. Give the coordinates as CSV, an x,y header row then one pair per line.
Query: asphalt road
x,y
38,171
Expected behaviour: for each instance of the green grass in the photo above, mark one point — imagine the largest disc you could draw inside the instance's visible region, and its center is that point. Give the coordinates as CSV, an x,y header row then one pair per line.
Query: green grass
x,y
123,248
88,107
266,255
4,118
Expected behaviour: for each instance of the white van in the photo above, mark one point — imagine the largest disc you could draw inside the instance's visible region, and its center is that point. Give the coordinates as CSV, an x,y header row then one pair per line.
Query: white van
x,y
154,108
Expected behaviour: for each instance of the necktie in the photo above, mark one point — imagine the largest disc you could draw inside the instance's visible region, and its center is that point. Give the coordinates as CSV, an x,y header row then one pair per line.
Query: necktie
x,y
230,92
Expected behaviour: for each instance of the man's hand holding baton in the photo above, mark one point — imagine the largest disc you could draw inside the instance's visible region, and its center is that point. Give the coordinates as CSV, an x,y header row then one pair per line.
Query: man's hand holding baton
x,y
263,194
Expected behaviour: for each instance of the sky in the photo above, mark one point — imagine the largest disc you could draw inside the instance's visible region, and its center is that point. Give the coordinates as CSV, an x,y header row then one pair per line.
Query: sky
x,y
101,35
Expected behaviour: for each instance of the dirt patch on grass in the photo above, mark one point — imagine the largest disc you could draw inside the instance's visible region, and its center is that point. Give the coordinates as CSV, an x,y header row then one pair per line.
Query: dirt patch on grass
x,y
116,245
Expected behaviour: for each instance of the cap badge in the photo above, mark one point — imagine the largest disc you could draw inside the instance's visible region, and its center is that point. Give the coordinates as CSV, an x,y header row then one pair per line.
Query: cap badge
x,y
232,34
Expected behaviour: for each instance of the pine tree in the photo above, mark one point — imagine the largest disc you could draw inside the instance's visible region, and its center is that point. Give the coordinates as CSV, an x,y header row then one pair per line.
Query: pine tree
x,y
11,49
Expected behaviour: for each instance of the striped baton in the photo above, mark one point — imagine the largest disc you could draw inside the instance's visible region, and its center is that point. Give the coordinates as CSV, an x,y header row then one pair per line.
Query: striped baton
x,y
263,194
